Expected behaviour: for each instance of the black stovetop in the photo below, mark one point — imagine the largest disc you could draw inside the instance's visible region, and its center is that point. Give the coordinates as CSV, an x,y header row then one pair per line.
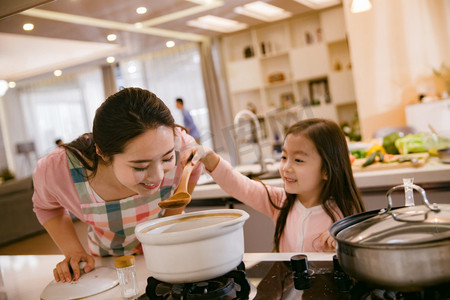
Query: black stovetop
x,y
273,280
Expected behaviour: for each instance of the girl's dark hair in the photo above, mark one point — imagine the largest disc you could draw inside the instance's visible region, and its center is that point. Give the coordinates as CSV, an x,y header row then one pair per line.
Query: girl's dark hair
x,y
121,117
340,186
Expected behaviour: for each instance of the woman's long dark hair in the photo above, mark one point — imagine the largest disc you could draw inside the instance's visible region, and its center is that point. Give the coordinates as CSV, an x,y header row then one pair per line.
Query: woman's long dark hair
x,y
340,186
121,117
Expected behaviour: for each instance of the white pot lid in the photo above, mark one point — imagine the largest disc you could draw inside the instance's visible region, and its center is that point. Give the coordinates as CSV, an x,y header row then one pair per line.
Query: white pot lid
x,y
97,281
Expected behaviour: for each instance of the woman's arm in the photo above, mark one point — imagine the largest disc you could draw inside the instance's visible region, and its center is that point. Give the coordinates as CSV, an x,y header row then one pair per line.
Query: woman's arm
x,y
63,233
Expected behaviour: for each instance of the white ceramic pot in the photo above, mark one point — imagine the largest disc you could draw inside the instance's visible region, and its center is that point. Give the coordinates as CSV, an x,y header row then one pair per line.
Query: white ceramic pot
x,y
194,246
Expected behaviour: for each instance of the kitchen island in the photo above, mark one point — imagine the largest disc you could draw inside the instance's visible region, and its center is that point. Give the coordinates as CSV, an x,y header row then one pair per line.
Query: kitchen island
x,y
434,177
24,277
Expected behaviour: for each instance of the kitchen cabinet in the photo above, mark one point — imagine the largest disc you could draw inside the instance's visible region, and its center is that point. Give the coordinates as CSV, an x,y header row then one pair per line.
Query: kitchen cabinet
x,y
436,114
295,65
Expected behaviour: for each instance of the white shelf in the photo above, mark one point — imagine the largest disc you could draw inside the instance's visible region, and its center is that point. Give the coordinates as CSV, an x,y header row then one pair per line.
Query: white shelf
x,y
244,75
342,87
333,24
304,49
309,62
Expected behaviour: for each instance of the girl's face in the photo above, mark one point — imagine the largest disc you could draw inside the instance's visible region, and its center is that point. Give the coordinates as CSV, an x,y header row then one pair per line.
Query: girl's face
x,y
145,161
301,169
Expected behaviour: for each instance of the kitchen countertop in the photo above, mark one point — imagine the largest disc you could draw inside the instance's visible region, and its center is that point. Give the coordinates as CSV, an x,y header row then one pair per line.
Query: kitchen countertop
x,y
433,172
25,276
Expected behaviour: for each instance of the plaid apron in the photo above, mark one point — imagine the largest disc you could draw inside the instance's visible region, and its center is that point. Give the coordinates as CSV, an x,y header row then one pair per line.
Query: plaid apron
x,y
112,223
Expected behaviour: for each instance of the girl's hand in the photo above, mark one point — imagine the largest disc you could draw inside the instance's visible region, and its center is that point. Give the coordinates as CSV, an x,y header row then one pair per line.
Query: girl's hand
x,y
327,242
63,269
201,153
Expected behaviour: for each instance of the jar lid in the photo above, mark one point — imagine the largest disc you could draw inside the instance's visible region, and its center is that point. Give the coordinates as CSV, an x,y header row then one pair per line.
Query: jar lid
x,y
124,261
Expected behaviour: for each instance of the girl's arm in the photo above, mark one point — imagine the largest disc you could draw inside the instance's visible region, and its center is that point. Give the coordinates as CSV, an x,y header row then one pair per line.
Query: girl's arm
x,y
239,186
63,233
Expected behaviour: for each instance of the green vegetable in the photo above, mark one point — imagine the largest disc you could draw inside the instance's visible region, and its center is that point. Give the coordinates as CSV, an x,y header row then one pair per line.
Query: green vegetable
x,y
371,159
411,143
389,143
359,153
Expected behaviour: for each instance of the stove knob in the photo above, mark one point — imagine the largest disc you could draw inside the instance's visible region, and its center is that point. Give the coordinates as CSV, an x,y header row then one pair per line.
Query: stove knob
x,y
336,265
343,281
302,279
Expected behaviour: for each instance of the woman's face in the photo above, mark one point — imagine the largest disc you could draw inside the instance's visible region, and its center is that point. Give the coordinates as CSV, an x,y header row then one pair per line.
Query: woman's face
x,y
145,161
301,168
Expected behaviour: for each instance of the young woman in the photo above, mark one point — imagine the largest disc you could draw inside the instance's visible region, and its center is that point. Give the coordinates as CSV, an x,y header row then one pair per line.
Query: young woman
x,y
319,188
111,179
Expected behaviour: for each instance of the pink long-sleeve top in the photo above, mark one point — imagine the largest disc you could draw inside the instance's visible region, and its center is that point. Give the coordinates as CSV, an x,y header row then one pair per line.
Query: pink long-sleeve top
x,y
303,225
54,190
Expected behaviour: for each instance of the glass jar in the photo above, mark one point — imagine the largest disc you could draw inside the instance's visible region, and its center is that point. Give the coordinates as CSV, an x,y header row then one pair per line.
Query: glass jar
x,y
126,272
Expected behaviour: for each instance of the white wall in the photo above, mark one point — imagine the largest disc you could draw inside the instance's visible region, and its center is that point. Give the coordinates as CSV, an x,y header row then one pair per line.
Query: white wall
x,y
394,48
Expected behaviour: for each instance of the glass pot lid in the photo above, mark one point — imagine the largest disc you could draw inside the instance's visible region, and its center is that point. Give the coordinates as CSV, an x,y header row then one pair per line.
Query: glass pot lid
x,y
406,225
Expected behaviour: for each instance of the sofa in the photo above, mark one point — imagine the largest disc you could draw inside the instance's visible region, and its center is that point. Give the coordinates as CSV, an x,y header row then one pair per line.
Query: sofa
x,y
17,218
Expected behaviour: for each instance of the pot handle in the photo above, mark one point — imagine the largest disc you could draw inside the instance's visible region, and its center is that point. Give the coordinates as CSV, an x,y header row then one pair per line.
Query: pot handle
x,y
398,217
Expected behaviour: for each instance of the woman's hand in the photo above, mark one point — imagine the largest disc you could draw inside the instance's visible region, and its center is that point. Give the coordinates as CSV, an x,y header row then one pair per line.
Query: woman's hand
x,y
206,155
63,269
327,242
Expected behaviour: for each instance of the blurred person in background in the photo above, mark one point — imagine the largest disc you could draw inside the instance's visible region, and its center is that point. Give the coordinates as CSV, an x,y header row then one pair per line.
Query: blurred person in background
x,y
188,121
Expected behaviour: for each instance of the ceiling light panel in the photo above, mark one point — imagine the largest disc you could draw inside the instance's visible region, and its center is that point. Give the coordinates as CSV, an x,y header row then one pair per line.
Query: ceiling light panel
x,y
141,10
28,26
358,6
319,4
214,23
263,11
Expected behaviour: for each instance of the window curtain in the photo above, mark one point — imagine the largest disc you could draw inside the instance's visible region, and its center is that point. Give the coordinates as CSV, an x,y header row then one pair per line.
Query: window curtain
x,y
215,89
170,74
50,109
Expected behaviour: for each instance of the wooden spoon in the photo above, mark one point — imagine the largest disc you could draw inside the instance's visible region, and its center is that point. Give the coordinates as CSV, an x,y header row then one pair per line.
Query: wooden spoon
x,y
181,197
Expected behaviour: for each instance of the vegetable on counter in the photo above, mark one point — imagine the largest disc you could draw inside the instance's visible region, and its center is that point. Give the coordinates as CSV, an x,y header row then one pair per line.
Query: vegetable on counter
x,y
359,153
372,158
411,143
375,148
389,143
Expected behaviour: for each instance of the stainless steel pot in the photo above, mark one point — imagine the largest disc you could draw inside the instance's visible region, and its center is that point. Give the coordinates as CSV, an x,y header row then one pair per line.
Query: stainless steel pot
x,y
405,249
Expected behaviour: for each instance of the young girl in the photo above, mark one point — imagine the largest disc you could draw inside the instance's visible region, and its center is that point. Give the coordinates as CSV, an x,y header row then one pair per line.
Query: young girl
x,y
111,179
319,188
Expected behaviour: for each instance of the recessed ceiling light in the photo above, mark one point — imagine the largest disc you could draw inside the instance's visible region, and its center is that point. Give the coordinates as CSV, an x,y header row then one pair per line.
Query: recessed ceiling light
x,y
57,73
28,26
138,25
319,4
358,6
131,69
111,37
263,11
12,84
214,23
170,44
141,10
110,59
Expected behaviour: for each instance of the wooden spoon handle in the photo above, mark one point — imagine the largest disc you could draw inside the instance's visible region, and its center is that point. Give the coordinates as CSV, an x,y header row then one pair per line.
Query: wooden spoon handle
x,y
183,186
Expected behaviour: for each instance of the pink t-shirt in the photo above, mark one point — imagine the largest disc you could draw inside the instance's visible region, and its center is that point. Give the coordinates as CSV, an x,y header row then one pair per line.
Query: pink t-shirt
x,y
303,225
55,193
